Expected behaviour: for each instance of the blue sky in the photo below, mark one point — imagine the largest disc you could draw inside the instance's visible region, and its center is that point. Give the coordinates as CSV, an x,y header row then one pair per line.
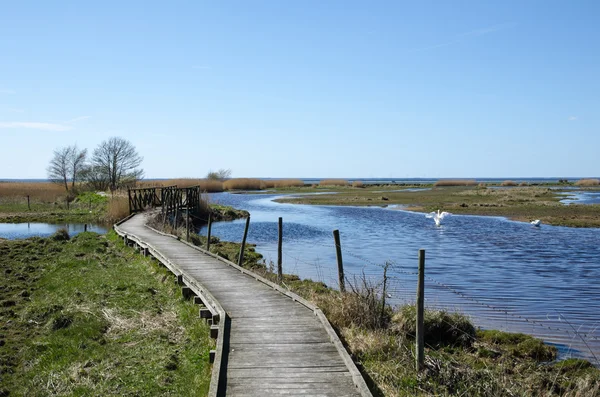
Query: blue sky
x,y
306,88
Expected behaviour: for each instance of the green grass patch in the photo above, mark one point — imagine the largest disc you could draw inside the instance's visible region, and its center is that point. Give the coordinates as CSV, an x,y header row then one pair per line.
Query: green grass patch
x,y
89,316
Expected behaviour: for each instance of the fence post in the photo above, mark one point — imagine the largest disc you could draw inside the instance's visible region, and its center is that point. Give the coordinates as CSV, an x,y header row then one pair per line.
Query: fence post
x,y
241,257
340,263
85,227
129,196
279,252
187,233
28,206
209,230
420,340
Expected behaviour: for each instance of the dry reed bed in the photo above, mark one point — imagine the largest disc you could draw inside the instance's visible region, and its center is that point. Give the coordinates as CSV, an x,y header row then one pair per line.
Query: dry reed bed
x,y
508,183
588,182
333,182
455,182
46,192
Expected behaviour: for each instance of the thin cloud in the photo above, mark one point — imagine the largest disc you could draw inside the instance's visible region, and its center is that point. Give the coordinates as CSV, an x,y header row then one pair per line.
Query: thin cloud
x,y
76,119
463,36
36,126
572,118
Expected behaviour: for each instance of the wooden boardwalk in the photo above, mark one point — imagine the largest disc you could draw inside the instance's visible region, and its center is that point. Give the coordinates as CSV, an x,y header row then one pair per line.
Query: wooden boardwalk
x,y
273,342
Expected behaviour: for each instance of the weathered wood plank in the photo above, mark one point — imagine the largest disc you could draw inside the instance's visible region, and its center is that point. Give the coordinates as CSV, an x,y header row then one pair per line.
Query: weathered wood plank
x,y
276,345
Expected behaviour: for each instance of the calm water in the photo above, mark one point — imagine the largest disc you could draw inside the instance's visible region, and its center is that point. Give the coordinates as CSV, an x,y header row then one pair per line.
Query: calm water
x,y
581,197
13,231
506,275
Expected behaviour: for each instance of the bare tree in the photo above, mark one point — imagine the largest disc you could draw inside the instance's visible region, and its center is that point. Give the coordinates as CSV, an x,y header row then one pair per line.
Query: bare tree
x,y
219,175
116,161
59,168
77,163
67,164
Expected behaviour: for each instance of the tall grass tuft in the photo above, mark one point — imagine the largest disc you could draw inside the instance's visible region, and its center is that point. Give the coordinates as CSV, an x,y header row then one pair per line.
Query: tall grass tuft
x,y
333,182
508,183
455,182
118,208
588,182
243,184
358,184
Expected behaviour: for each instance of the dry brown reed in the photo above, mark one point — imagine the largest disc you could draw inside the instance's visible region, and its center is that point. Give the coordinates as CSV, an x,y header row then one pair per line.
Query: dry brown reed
x,y
243,184
358,184
508,183
280,183
333,182
455,182
523,184
588,182
45,192
118,208
206,185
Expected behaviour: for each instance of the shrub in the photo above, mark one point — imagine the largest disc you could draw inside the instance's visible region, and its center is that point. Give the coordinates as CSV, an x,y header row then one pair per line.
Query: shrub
x,y
441,328
455,182
61,235
333,182
588,182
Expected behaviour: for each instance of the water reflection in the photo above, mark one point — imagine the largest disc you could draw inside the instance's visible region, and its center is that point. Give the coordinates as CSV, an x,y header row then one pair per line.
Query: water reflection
x,y
13,231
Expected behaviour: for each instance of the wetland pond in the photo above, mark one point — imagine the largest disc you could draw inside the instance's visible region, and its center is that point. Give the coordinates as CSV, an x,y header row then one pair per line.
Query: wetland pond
x,y
12,231
506,275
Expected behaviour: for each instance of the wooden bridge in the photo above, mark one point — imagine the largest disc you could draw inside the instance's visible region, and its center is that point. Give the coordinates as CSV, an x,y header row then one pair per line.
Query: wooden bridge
x,y
269,340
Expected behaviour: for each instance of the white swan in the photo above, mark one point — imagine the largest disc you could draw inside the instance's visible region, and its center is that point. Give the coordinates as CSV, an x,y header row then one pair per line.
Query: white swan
x,y
536,223
437,216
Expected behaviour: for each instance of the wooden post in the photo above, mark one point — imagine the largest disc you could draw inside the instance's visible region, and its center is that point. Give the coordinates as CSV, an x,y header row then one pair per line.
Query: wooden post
x,y
241,256
129,196
209,230
28,205
279,252
340,262
420,340
85,227
187,233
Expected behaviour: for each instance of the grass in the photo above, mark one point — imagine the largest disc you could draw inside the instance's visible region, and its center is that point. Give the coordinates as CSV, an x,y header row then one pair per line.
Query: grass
x,y
508,183
38,192
333,182
89,316
588,182
357,184
454,182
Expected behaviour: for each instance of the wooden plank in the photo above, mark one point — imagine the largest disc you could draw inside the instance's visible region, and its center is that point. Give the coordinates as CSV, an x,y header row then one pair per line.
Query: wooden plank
x,y
277,346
